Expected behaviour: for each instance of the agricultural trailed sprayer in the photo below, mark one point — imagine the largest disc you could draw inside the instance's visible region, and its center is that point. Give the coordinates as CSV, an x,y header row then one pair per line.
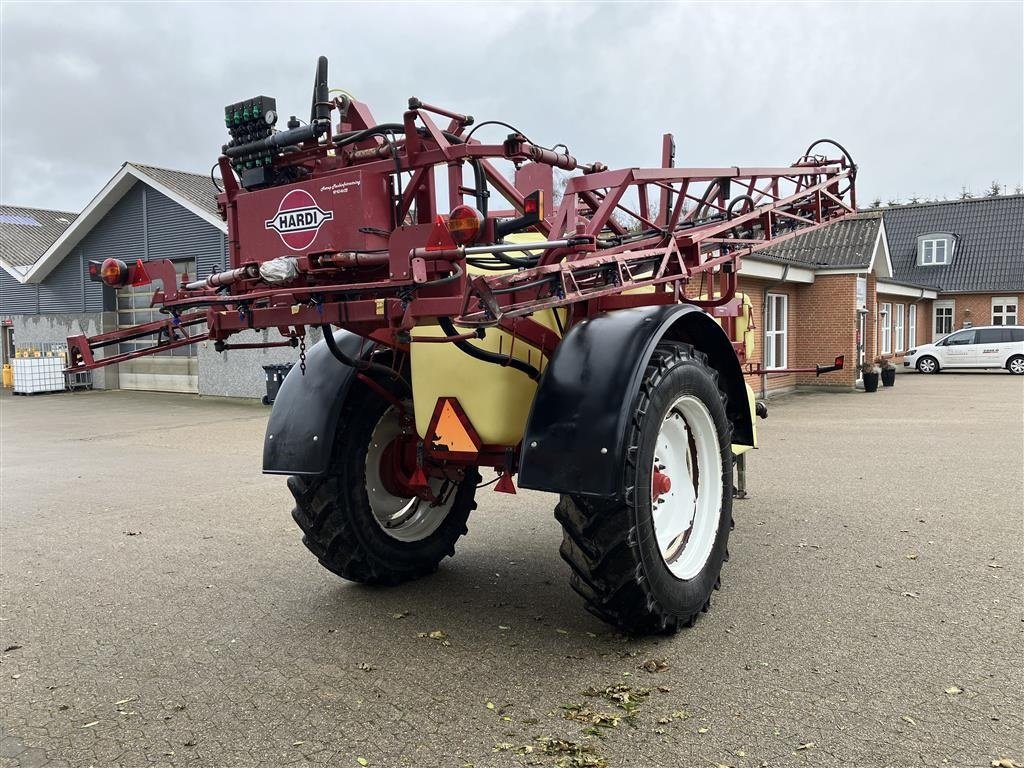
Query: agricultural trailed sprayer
x,y
595,348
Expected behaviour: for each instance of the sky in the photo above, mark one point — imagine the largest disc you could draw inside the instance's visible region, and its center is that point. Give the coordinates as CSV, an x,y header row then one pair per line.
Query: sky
x,y
927,97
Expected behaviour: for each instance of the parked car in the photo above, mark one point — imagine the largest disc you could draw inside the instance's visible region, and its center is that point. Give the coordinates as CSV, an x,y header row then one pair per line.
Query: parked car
x,y
987,346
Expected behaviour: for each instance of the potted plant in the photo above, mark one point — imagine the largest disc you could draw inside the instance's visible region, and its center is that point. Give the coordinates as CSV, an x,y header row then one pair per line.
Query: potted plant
x,y
888,373
869,374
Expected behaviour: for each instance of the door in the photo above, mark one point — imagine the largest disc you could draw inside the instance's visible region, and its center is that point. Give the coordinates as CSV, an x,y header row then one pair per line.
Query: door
x,y
175,370
959,350
992,346
862,329
943,319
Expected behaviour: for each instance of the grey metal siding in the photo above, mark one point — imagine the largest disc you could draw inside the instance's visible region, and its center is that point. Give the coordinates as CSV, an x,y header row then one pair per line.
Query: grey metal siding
x,y
119,233
17,299
61,290
174,232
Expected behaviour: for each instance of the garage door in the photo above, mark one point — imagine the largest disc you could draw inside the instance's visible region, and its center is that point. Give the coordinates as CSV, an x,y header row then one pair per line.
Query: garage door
x,y
175,370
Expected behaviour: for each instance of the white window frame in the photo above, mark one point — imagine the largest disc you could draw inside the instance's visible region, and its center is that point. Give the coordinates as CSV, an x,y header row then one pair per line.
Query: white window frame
x,y
898,344
912,326
885,327
773,329
944,304
930,251
1005,317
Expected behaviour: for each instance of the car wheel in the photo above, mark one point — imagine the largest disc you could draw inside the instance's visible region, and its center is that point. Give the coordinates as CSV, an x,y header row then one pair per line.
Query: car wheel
x,y
928,365
1016,364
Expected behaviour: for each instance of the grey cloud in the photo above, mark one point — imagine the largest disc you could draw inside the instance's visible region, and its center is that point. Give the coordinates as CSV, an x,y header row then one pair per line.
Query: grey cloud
x,y
927,97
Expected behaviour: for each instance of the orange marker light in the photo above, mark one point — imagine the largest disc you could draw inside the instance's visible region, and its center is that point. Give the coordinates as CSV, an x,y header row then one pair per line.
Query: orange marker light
x,y
465,224
114,273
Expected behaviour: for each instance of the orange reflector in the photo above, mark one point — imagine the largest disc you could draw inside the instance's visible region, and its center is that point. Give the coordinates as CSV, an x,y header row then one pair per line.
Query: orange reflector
x,y
465,224
114,273
440,238
450,429
139,275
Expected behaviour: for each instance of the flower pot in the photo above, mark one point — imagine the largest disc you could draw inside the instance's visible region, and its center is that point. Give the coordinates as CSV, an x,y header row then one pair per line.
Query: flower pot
x,y
870,382
888,377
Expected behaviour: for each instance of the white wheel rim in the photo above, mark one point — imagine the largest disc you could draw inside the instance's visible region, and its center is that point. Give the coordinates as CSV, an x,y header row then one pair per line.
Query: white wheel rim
x,y
1017,365
927,365
686,516
406,519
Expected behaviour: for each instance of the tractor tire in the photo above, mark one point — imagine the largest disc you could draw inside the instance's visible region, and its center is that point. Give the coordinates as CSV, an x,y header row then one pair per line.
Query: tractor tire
x,y
354,525
648,560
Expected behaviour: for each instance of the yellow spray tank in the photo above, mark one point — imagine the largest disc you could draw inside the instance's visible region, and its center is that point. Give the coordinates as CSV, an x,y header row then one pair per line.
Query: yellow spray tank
x,y
496,399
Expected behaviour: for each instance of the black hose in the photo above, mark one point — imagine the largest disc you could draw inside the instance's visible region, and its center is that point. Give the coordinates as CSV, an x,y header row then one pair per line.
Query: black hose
x,y
359,365
488,357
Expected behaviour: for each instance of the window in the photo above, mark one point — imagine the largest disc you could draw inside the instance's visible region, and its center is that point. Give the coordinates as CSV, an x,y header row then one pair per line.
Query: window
x,y
885,324
898,330
912,326
1016,334
1004,310
959,339
934,249
993,335
943,318
775,331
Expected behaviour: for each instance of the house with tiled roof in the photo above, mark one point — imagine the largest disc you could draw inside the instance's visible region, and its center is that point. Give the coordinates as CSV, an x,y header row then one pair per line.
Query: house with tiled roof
x,y
143,212
970,251
875,284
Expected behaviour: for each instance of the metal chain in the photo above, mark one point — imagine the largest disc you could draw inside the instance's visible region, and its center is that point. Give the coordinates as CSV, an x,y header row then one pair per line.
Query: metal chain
x,y
302,354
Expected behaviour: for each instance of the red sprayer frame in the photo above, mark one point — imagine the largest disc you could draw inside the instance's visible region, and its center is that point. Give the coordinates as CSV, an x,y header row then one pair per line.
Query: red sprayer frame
x,y
346,231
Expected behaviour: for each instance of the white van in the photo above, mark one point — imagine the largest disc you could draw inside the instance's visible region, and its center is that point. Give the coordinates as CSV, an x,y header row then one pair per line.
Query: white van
x,y
987,346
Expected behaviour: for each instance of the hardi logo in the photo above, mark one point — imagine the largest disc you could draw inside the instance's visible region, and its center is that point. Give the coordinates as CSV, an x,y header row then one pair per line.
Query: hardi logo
x,y
298,219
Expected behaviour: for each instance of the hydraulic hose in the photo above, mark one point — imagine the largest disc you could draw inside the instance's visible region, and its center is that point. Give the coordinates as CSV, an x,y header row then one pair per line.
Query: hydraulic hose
x,y
359,365
488,357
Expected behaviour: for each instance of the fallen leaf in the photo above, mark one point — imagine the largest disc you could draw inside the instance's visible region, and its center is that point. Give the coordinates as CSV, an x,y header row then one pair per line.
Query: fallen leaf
x,y
1005,762
994,565
503,746
294,743
125,701
502,626
562,631
954,690
911,594
912,557
655,665
10,648
909,719
702,730
490,705
90,725
132,533
438,634
362,761
664,689
808,745
15,677
399,615
366,667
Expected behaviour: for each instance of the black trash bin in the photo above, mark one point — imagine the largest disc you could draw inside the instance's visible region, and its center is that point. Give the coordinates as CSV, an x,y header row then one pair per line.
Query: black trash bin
x,y
275,375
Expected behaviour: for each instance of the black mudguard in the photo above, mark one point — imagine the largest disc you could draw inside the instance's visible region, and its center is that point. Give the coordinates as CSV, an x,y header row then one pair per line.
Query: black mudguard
x,y
304,421
576,433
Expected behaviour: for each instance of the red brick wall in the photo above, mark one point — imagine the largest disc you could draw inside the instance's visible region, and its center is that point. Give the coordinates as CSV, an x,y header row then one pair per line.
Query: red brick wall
x,y
826,327
974,309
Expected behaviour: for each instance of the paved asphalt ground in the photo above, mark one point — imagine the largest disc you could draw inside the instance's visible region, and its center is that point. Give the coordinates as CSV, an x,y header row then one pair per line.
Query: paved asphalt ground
x,y
159,608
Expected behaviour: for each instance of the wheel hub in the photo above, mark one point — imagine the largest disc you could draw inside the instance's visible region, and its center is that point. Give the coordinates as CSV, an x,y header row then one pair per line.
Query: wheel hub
x,y
686,510
660,485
